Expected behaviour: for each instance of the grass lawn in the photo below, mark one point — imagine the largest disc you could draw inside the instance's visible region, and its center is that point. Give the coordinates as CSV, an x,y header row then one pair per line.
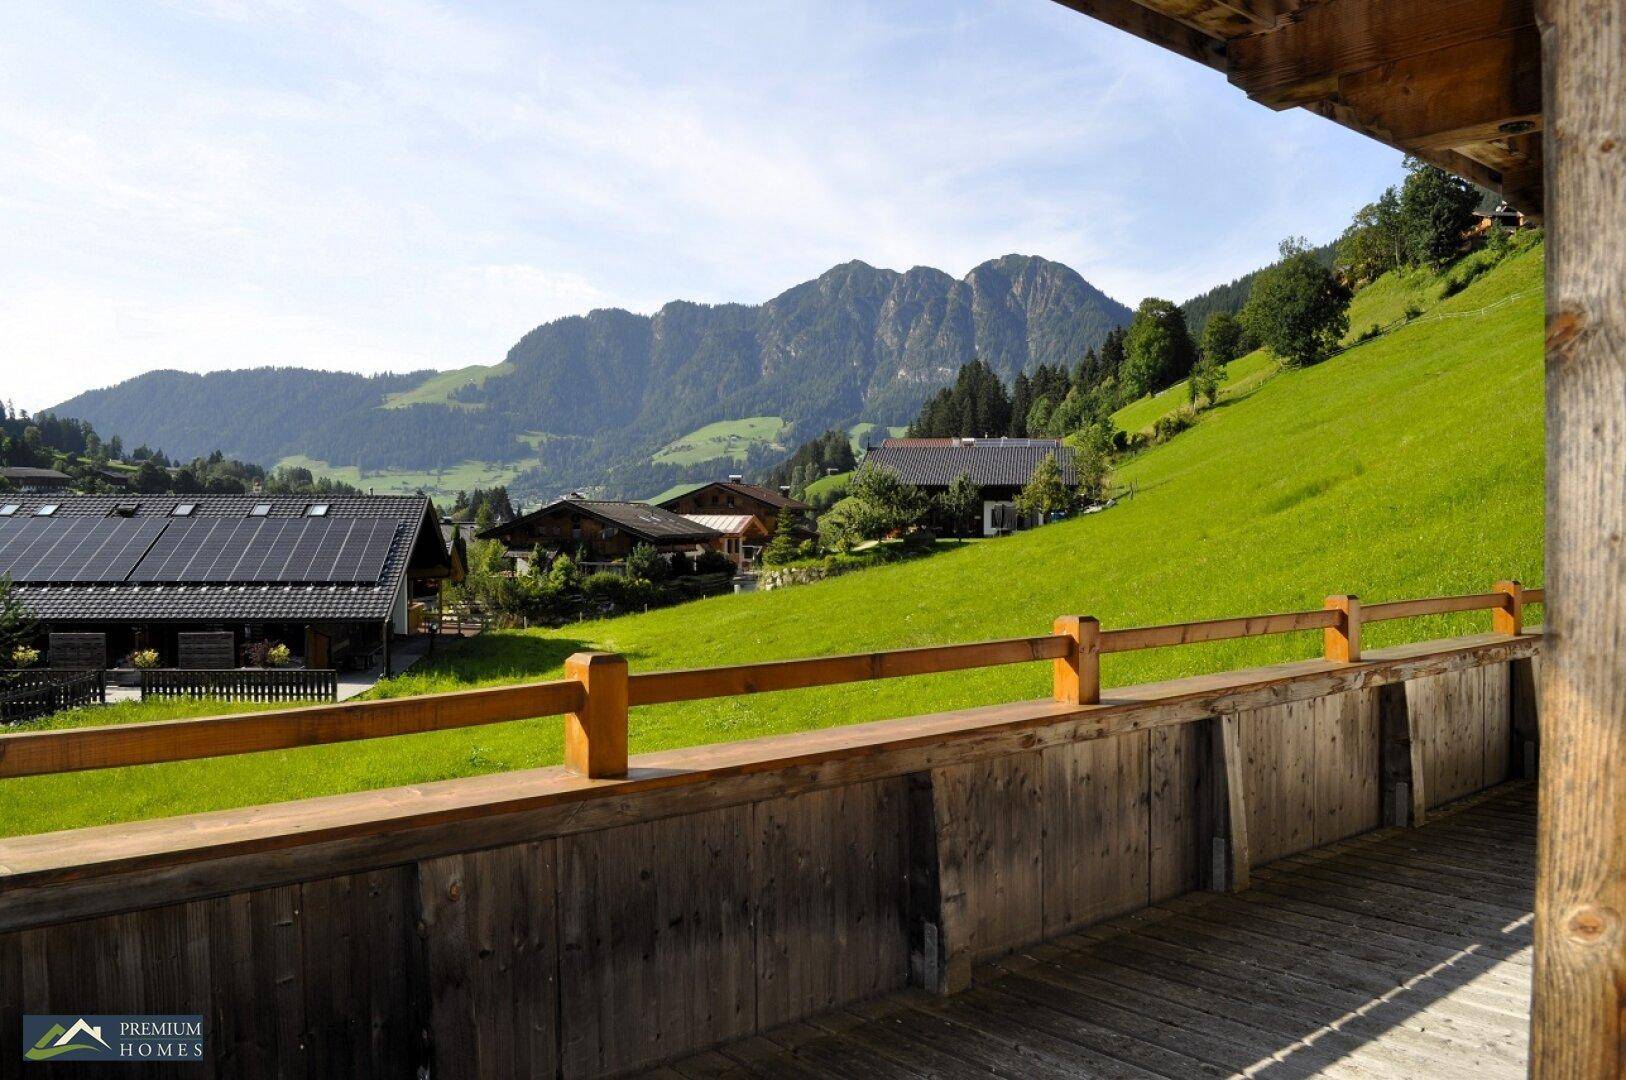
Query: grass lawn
x,y
726,438
438,388
873,432
828,488
440,483
1241,375
1409,466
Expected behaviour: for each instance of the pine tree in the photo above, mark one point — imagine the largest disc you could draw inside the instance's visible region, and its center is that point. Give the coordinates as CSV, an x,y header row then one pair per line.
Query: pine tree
x,y
785,545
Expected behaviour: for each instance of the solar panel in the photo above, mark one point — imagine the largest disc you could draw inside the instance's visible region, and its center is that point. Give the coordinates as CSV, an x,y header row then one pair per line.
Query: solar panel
x,y
79,550
285,550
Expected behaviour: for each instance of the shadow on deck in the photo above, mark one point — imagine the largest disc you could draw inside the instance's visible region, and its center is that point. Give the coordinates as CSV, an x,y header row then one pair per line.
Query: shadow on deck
x,y
1401,953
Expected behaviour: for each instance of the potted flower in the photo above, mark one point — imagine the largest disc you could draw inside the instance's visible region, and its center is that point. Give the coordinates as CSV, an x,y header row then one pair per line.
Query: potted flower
x,y
24,656
278,656
129,673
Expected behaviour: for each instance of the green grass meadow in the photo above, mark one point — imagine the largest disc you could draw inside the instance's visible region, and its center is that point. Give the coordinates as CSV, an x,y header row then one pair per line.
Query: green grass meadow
x,y
1408,466
726,438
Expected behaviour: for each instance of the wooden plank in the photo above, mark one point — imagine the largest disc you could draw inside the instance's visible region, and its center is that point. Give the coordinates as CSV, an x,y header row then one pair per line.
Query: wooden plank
x,y
1293,63
830,891
1496,713
662,687
1278,751
657,950
52,876
1438,605
1232,854
1524,713
1461,94
1346,765
1097,831
71,749
1404,772
991,824
939,928
1153,637
1181,810
1579,1021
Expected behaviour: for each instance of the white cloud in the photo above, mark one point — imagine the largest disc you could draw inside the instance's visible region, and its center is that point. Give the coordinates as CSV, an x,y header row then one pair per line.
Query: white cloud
x,y
375,184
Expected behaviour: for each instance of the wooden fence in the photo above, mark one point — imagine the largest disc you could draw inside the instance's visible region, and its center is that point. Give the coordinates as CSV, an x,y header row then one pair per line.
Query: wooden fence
x,y
242,684
28,695
547,922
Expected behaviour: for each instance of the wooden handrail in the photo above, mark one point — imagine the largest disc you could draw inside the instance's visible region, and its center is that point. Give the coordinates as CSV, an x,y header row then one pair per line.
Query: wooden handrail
x,y
662,687
598,692
1156,637
1435,605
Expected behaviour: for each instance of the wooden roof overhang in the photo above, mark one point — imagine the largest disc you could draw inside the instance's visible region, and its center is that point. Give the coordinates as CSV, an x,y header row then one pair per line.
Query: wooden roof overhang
x,y
1456,83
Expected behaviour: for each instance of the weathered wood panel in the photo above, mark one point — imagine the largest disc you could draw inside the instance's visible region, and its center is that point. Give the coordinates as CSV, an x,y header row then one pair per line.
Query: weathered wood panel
x,y
991,819
830,890
1463,719
1097,830
75,650
489,927
1311,773
1180,795
657,951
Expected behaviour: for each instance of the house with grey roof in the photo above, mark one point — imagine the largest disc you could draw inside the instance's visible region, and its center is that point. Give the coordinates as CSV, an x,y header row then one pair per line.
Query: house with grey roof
x,y
999,467
600,530
29,480
331,577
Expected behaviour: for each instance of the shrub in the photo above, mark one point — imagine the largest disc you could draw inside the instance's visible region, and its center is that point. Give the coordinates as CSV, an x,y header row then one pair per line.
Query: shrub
x,y
24,656
1370,332
1172,424
278,655
144,659
254,653
714,562
645,563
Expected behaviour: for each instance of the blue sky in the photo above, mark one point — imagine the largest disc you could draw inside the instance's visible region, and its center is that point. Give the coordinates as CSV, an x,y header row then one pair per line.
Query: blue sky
x,y
371,185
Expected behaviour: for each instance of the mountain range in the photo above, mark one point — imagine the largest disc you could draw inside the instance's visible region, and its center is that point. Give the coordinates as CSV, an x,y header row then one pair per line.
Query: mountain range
x,y
585,401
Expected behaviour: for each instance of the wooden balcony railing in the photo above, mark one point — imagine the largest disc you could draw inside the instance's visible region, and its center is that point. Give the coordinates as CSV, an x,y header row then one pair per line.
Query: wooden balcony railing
x,y
598,690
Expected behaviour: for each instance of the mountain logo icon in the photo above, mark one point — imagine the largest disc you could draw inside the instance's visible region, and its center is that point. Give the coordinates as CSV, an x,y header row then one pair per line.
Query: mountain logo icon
x,y
62,1042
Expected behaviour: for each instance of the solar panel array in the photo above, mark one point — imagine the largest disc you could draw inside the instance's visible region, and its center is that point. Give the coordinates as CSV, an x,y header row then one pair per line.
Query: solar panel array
x,y
88,550
201,550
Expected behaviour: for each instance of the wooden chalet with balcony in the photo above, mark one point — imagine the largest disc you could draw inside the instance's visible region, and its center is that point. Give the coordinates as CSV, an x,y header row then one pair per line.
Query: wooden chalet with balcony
x,y
601,530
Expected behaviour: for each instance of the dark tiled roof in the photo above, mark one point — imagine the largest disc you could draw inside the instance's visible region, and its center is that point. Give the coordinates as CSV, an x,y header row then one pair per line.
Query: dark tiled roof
x,y
777,499
639,519
28,475
989,464
258,602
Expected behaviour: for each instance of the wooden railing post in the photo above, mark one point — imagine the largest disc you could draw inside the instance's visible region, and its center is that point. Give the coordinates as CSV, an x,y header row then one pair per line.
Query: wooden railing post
x,y
596,735
1509,618
1343,642
1077,676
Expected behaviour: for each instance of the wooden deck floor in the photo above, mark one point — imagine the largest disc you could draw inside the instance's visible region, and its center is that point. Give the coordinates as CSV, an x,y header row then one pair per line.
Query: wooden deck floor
x,y
1398,954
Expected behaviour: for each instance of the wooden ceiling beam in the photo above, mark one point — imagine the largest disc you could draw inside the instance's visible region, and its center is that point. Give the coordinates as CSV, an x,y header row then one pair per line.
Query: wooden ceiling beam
x,y
1291,65
1156,27
1475,92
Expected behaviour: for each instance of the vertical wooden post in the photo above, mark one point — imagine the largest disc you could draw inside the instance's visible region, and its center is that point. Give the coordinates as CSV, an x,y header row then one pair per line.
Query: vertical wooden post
x,y
596,736
1578,1023
1405,798
1077,676
1509,618
939,959
1343,642
1230,861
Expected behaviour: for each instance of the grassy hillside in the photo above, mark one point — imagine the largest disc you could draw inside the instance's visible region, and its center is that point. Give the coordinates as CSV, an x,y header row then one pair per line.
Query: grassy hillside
x,y
438,388
1407,466
868,432
1241,375
440,483
726,438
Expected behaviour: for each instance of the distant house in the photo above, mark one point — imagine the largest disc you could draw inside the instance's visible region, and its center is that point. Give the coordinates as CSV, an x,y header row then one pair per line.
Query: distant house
x,y
331,577
1495,213
31,481
605,530
743,536
732,497
999,467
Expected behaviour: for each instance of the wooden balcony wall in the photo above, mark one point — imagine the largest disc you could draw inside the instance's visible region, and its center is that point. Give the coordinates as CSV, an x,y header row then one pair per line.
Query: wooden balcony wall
x,y
679,917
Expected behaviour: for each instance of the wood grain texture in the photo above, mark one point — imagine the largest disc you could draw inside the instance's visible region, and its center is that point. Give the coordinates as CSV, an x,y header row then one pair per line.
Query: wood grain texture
x,y
1180,809
656,941
1097,830
831,894
1579,1023
991,821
